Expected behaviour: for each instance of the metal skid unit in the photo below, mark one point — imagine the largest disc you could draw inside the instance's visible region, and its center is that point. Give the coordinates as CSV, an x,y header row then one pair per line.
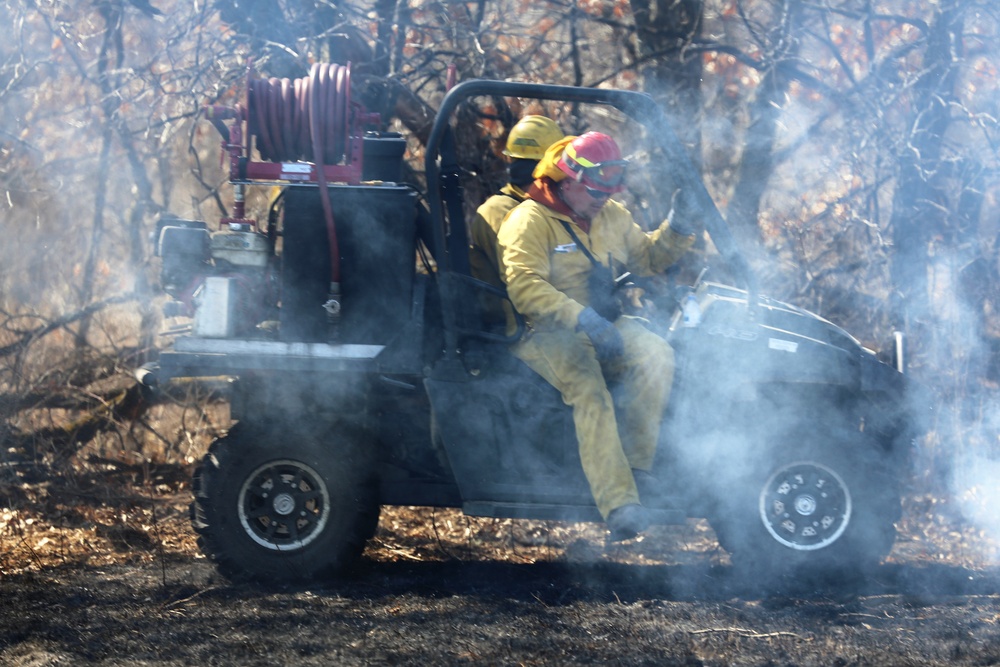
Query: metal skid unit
x,y
332,265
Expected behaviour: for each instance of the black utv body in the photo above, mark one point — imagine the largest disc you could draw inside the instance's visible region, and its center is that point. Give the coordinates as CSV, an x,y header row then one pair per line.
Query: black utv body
x,y
782,431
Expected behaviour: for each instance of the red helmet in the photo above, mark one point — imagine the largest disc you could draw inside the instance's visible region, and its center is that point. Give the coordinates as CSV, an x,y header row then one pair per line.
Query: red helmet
x,y
595,160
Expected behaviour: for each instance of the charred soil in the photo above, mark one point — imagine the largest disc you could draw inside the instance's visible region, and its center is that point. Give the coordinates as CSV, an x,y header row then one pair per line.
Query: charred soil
x,y
101,568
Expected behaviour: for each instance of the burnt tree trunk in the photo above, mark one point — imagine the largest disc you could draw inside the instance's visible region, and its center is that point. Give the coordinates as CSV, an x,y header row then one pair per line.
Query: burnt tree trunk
x,y
920,210
671,74
757,162
109,63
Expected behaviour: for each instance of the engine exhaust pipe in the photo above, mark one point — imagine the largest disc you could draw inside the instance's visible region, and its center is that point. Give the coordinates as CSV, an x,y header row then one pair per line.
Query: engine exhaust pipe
x,y
146,376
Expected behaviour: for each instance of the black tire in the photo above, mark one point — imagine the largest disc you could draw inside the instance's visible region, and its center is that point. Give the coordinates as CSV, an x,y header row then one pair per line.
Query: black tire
x,y
250,485
817,513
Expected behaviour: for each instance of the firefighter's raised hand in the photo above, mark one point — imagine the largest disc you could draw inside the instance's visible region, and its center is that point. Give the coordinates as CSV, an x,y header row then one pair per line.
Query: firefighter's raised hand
x,y
603,334
687,226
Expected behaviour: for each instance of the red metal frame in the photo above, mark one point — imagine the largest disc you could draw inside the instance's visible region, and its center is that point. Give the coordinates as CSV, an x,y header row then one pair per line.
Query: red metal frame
x,y
236,143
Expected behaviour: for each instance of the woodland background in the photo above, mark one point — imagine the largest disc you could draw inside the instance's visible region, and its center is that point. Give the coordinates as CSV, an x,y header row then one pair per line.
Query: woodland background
x,y
851,144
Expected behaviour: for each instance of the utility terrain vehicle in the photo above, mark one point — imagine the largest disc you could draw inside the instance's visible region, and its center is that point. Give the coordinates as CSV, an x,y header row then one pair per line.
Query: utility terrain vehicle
x,y
362,376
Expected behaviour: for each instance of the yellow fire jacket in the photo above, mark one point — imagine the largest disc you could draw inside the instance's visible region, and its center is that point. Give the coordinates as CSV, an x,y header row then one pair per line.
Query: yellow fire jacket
x,y
546,274
484,253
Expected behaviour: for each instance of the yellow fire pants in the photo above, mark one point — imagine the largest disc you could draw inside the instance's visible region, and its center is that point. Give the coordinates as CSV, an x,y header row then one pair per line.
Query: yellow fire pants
x,y
609,447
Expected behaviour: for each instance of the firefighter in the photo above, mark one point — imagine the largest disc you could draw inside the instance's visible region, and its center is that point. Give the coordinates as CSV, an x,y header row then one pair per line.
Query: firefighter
x,y
564,235
526,144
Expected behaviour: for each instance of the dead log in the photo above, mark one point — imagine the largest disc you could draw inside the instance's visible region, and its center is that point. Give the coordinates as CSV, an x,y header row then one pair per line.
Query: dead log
x,y
64,441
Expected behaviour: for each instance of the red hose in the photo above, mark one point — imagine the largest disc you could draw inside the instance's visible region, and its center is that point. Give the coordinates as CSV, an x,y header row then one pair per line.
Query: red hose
x,y
282,111
305,119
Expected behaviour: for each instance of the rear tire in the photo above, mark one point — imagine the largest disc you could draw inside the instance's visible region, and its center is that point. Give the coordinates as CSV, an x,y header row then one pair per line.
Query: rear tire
x,y
817,513
283,504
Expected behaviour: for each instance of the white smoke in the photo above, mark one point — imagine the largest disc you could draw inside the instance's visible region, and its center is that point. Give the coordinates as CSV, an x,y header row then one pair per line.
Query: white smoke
x,y
961,454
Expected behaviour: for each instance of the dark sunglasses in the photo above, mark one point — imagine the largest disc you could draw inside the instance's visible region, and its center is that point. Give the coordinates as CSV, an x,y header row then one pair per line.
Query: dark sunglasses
x,y
595,193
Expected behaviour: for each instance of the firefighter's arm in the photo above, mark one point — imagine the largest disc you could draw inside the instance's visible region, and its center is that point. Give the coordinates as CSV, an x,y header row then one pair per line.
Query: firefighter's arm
x,y
653,252
668,246
526,245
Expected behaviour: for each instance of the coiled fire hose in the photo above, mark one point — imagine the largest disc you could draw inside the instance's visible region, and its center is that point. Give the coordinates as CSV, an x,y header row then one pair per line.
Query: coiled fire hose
x,y
306,119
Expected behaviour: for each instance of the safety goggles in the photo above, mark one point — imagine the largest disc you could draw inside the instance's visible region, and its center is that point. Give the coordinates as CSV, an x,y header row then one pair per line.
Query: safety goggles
x,y
610,174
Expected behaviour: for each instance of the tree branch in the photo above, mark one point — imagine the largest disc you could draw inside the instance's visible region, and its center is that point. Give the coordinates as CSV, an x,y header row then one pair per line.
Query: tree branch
x,y
31,336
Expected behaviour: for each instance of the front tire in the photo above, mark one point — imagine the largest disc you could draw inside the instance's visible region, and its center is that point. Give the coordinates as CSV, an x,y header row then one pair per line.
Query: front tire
x,y
285,504
816,513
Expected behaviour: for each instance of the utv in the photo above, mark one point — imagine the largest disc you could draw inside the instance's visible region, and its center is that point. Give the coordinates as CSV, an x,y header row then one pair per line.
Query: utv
x,y
363,376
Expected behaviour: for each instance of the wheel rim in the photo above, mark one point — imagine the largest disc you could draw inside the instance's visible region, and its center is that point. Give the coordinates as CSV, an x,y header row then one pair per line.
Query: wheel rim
x,y
805,506
284,505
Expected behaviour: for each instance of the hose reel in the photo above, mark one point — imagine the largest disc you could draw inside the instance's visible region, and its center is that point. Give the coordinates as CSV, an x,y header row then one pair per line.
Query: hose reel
x,y
305,119
305,130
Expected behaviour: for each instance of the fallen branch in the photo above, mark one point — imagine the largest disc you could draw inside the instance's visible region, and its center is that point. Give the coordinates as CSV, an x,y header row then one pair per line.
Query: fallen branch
x,y
28,337
176,603
749,634
68,397
127,405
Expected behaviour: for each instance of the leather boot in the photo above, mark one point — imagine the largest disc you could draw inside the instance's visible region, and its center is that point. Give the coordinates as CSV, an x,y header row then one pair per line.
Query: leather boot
x,y
627,521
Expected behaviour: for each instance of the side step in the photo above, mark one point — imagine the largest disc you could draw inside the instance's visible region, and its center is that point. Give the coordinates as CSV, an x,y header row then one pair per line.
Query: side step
x,y
571,513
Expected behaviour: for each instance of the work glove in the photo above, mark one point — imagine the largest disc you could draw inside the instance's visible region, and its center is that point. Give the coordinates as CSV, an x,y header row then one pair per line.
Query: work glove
x,y
607,341
687,225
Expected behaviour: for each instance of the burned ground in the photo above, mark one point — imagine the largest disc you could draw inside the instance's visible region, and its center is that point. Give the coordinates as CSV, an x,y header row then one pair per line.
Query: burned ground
x,y
102,568
178,612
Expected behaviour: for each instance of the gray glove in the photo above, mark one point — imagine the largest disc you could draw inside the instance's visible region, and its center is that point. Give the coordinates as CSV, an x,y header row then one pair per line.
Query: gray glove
x,y
607,341
688,226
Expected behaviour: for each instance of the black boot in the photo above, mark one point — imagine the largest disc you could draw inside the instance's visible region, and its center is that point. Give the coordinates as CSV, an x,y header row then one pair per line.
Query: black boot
x,y
652,490
627,521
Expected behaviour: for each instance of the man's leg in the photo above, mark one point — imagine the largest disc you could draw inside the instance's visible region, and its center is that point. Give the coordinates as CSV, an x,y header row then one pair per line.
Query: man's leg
x,y
645,375
567,361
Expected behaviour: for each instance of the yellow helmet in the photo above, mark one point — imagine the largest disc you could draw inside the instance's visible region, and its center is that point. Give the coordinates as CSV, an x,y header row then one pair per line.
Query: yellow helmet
x,y
530,136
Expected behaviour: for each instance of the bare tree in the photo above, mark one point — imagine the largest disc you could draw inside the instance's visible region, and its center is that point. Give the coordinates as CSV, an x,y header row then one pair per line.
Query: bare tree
x,y
95,98
853,141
